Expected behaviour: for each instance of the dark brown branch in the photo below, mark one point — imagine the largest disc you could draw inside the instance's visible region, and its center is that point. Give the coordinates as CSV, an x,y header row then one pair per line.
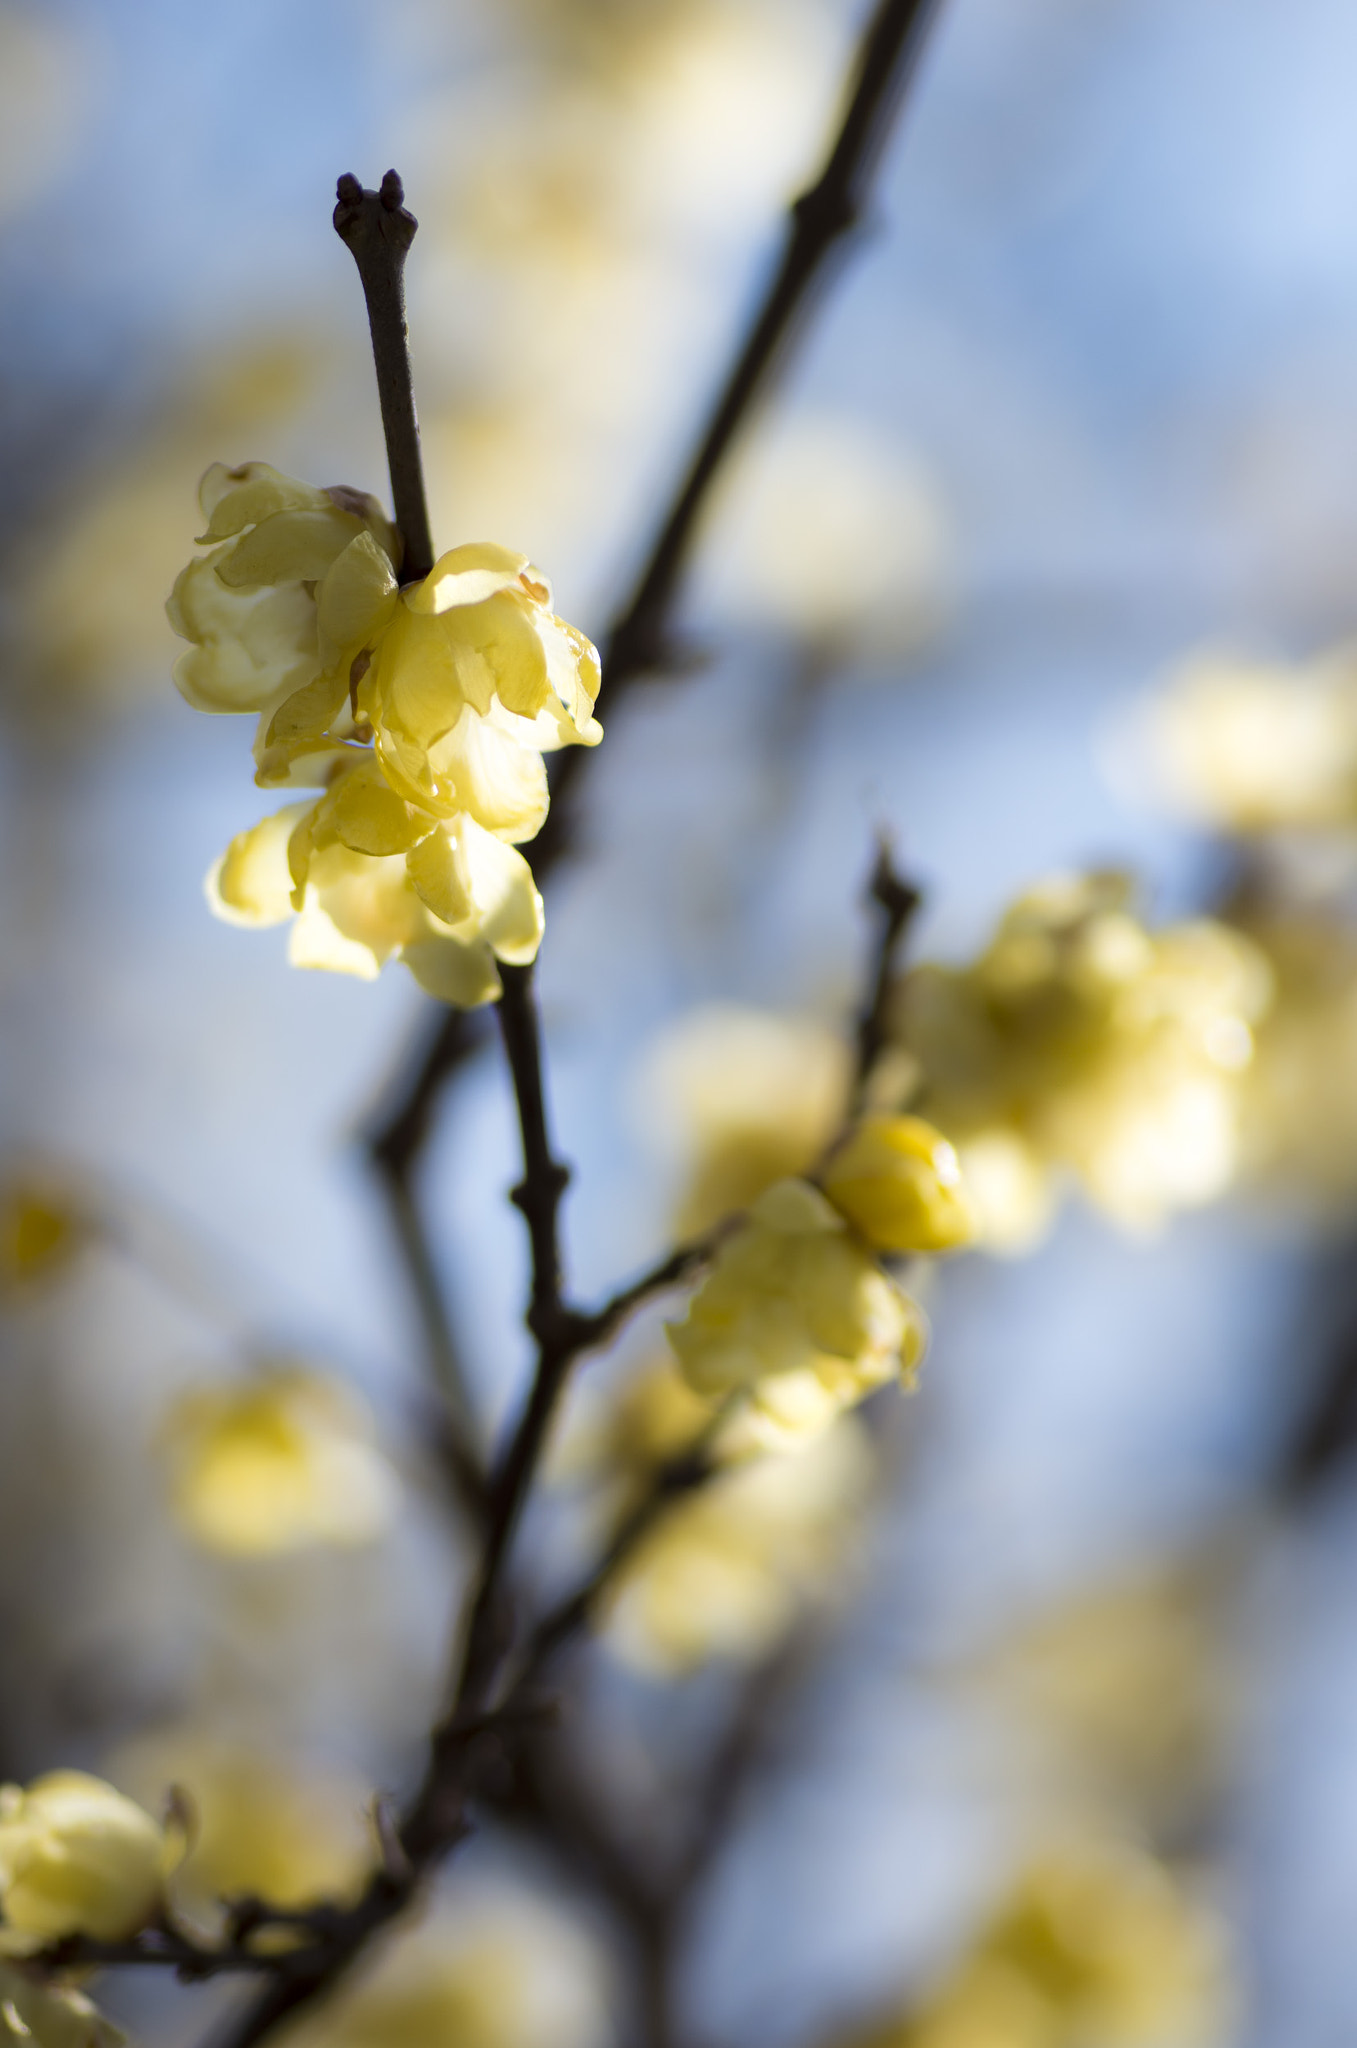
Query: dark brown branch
x,y
378,231
678,1476
897,900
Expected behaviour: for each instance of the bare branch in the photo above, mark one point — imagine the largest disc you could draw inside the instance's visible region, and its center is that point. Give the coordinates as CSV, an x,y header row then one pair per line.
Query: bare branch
x,y
898,900
378,231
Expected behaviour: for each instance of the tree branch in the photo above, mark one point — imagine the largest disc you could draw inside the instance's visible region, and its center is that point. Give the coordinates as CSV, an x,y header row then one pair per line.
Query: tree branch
x,y
898,900
378,231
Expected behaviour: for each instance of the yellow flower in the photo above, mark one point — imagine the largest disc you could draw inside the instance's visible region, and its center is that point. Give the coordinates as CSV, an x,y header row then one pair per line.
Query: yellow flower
x,y
1079,1042
280,1461
35,2014
264,1825
473,677
298,582
797,1314
76,1857
374,879
1250,746
423,711
897,1181
726,1571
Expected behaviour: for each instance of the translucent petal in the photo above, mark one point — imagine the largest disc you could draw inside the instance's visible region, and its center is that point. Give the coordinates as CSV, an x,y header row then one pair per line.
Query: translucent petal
x,y
454,972
470,574
252,647
473,768
290,547
506,897
437,870
368,900
367,816
316,941
232,499
250,884
355,601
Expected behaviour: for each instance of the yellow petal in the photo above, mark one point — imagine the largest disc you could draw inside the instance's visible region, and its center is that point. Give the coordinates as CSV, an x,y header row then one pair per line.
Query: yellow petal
x,y
470,574
454,972
367,816
233,499
506,898
355,601
250,884
252,647
290,547
437,870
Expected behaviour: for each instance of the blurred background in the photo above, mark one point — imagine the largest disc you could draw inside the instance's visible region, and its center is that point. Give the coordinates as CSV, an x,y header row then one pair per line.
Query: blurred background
x,y
1080,403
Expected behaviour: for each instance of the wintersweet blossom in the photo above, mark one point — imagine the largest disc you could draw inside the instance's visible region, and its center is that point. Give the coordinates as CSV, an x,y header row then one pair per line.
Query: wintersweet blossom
x,y
423,713
280,1461
797,1315
1081,1043
899,1183
76,1857
725,1573
1095,1942
38,2014
1250,746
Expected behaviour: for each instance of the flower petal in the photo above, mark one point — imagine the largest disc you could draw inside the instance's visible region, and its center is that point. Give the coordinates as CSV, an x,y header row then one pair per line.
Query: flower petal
x,y
250,884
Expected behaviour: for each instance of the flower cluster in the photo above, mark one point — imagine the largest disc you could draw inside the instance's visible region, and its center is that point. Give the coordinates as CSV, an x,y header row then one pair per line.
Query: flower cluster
x,y
422,712
797,1315
1081,1043
279,1462
1253,746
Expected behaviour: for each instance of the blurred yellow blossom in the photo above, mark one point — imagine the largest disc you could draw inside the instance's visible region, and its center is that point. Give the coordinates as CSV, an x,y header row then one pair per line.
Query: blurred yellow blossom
x,y
424,711
826,532
726,1571
1096,1943
1250,746
264,1825
1081,1043
276,1462
899,1184
44,2015
796,1314
1126,1688
490,1972
740,1098
76,1857
42,1227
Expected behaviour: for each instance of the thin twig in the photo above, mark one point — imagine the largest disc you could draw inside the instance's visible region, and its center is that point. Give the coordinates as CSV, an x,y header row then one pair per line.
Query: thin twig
x,y
898,900
378,231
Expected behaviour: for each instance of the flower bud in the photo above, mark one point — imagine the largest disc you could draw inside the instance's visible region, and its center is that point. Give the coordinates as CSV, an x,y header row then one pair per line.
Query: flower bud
x,y
897,1181
796,1313
277,1464
76,1857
